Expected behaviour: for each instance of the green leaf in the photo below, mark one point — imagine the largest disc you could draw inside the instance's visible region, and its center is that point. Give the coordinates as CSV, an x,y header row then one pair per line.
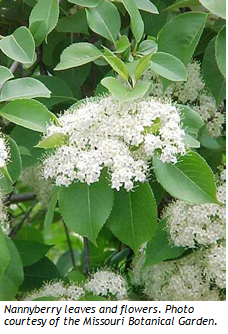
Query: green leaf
x,y
42,271
190,179
220,50
123,44
134,216
215,6
45,10
60,91
181,35
147,6
209,142
191,141
24,151
19,46
191,120
147,47
104,20
78,54
31,251
13,275
76,23
14,165
116,63
23,88
84,208
214,80
5,74
86,3
142,66
168,66
4,253
28,113
76,277
39,30
137,25
56,139
50,210
160,249
183,3
123,94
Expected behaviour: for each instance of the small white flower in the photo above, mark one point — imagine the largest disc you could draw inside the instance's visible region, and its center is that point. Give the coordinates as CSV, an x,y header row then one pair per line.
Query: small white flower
x,y
105,283
104,134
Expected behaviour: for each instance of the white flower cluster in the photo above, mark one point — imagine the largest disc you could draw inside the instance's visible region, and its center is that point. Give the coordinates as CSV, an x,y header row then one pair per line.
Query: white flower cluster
x,y
4,223
193,225
104,134
193,93
189,278
106,283
59,291
32,177
4,152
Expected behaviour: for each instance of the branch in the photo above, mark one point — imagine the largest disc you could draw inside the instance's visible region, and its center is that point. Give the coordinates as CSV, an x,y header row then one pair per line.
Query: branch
x,y
19,226
86,257
20,198
69,245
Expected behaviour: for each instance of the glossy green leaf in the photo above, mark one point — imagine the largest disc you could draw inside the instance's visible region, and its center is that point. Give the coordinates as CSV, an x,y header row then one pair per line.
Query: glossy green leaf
x,y
190,141
168,66
23,88
123,44
50,210
38,273
104,20
159,247
76,277
147,6
4,253
39,30
19,46
190,179
181,35
116,63
217,7
45,10
76,23
134,216
137,25
56,139
209,142
14,165
142,66
28,113
214,80
60,91
31,251
124,94
191,120
147,47
84,208
13,274
86,3
220,50
5,74
78,54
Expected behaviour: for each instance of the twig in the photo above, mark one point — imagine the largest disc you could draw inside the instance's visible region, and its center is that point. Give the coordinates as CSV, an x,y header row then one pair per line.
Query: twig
x,y
70,246
86,257
20,198
26,216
